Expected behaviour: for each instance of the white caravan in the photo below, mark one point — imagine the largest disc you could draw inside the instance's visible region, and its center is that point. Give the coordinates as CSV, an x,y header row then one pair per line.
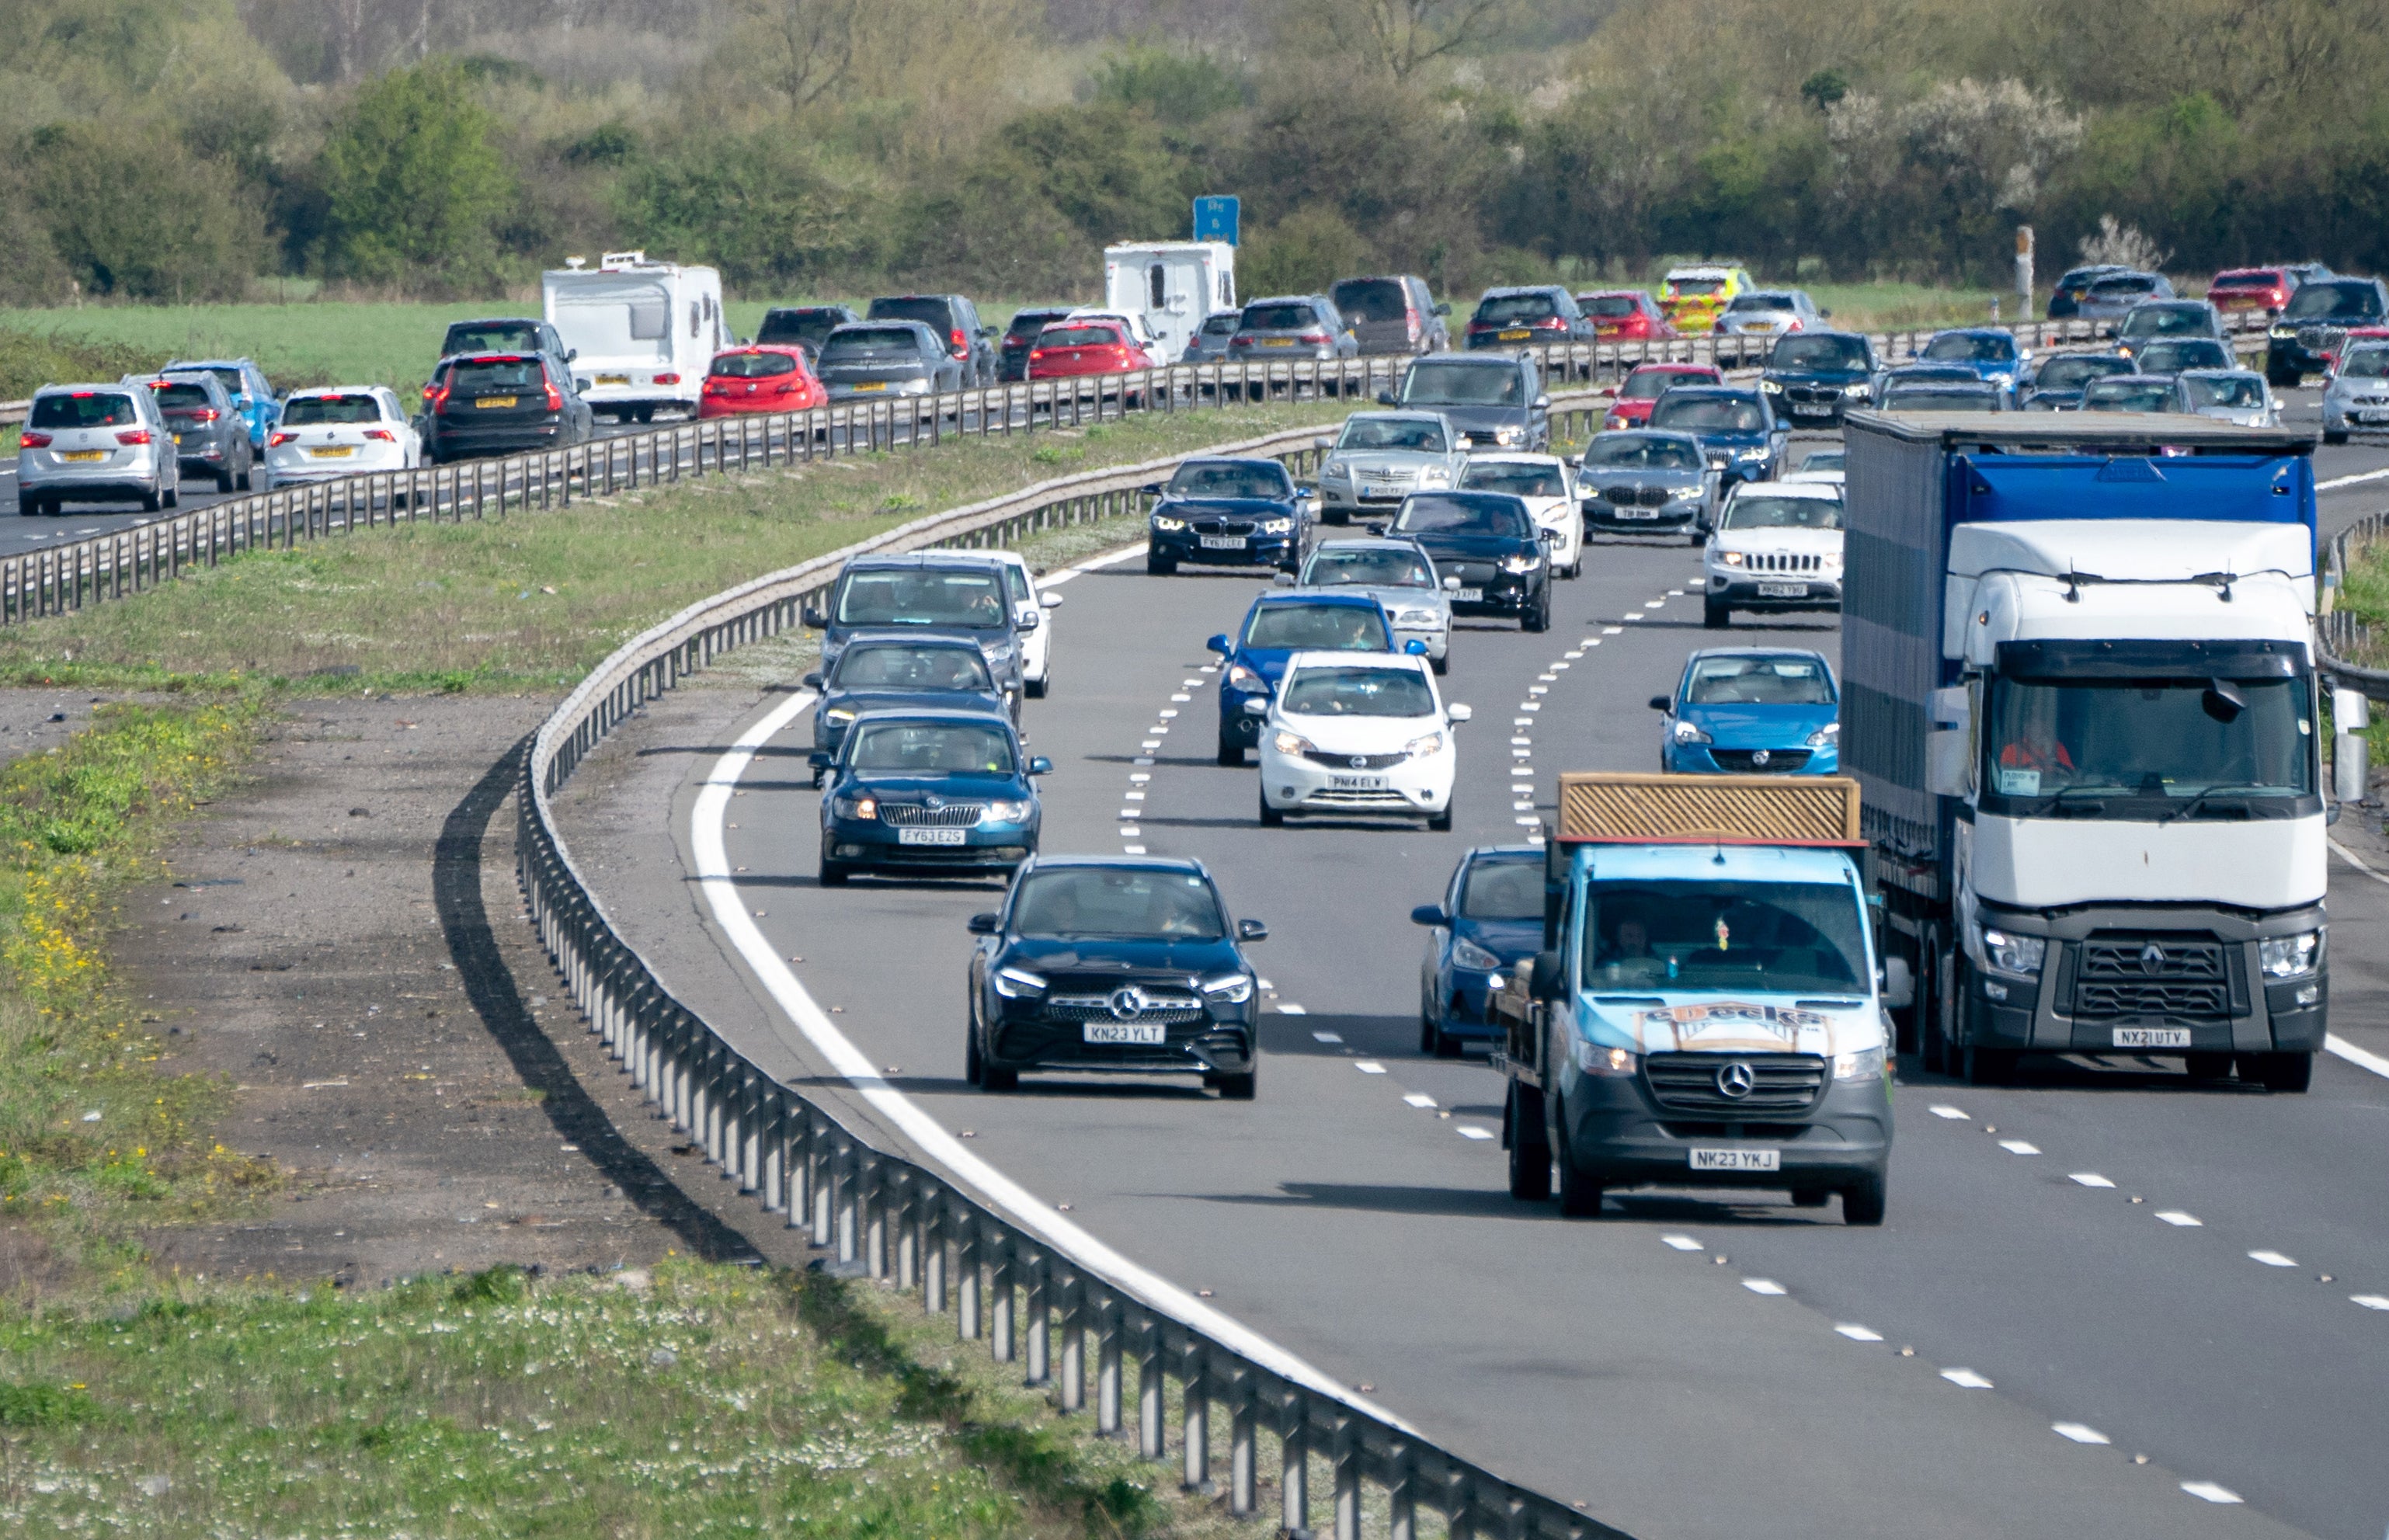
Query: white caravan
x,y
643,331
1172,286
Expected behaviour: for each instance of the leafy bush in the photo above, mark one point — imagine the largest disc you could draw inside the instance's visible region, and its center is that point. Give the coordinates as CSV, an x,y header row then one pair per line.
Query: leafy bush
x,y
412,186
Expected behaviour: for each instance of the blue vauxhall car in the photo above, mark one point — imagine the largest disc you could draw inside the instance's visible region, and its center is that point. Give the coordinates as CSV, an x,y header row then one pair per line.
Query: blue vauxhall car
x,y
1751,711
1490,921
1277,627
928,793
1229,513
899,671
1988,353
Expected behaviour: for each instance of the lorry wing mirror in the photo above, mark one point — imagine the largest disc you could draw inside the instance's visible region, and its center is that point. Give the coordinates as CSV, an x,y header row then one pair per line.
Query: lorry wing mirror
x,y
1947,762
1950,707
1898,984
2222,700
1548,979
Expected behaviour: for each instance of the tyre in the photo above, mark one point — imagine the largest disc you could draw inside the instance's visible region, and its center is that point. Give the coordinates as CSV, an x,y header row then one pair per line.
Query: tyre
x,y
2283,379
246,481
1441,822
1862,1201
1035,688
1942,1055
993,1078
2207,1066
834,873
2330,437
1579,1196
1696,539
225,480
1231,751
152,502
2285,1072
1811,1197
1271,817
1241,1087
1714,617
1530,1158
1538,619
1335,515
974,1063
1159,566
28,504
173,497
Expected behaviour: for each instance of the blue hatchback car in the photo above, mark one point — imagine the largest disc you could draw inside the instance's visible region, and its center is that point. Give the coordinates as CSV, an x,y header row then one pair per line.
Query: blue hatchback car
x,y
1751,711
928,793
1989,352
1490,922
1232,512
1740,430
1277,627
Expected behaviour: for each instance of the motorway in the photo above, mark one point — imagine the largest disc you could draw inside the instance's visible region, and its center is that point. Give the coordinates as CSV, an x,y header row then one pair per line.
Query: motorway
x,y
2105,1300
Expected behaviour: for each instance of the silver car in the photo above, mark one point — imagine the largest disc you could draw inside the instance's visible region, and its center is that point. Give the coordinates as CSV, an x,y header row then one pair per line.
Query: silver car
x,y
1400,577
1645,481
95,443
2164,320
1381,457
2112,296
2229,396
2356,399
1769,311
1210,345
887,357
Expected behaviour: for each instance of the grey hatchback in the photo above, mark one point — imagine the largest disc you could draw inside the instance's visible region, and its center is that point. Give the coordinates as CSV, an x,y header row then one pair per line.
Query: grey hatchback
x,y
211,436
1393,314
1293,326
887,357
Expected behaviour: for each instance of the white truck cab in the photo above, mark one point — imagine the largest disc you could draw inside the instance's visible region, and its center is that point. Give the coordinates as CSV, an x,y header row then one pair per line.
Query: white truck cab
x,y
1171,287
643,331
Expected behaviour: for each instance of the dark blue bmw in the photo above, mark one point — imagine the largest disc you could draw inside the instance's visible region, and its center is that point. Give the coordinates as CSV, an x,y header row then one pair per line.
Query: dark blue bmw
x,y
1277,627
1118,966
1490,922
1229,513
926,794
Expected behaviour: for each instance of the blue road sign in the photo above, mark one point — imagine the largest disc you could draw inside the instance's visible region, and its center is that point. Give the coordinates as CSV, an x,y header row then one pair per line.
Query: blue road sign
x,y
1215,219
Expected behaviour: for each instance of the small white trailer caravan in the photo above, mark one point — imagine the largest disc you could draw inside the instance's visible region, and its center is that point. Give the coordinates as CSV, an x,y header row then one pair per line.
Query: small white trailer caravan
x,y
644,332
1173,284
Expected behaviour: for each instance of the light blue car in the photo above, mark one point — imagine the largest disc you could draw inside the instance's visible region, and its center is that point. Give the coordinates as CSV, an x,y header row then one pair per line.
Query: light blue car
x,y
1989,352
1751,711
252,394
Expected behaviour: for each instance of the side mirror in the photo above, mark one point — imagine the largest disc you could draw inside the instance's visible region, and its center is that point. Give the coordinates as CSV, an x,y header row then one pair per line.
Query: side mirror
x,y
1548,979
1041,766
815,619
1322,443
1284,579
1946,769
1898,984
1414,647
1824,315
579,384
1451,584
983,925
1251,930
1549,537
1220,645
571,353
1256,705
1151,488
1661,703
821,759
1429,914
1027,622
1384,398
1542,404
1459,712
812,680
1443,307
1374,526
1307,494
1049,601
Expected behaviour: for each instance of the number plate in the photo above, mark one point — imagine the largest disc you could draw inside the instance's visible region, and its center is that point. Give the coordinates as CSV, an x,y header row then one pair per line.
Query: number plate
x,y
1737,1159
1635,513
83,455
2152,1037
1810,409
333,451
487,401
872,385
930,836
178,440
1357,782
613,379
1277,342
1150,1034
2368,416
1784,591
1222,542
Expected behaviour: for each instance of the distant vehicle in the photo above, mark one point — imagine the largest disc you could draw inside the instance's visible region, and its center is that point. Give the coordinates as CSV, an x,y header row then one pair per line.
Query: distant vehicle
x,y
1278,626
2065,298
1759,711
2234,396
1526,316
1491,921
1011,353
1820,462
1350,735
1990,351
211,436
806,326
925,593
897,670
1490,541
1641,390
887,357
1547,486
1635,481
1769,312
2323,305
927,791
2172,355
955,321
1128,321
2240,289
2357,397
1738,429
252,393
760,377
1118,964
1776,548
1379,458
1210,345
340,430
2160,320
1228,513
1293,326
1695,296
1908,393
2132,393
1172,287
640,332
2112,295
2055,383
1400,577
95,443
1495,402
502,403
505,335
1623,315
1074,350
1816,376
1032,617
1394,314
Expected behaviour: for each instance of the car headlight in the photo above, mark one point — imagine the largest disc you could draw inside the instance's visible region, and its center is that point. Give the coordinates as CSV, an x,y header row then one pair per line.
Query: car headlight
x,y
1169,525
1685,733
1512,435
1007,811
1468,954
1685,491
1244,679
837,714
856,806
1865,1064
2288,956
1615,419
1593,1058
1521,564
2284,334
1720,462
1018,983
1435,476
1335,469
1773,387
1290,743
1729,558
2010,953
1418,620
1277,527
1825,736
1757,452
1229,988
1420,749
1858,392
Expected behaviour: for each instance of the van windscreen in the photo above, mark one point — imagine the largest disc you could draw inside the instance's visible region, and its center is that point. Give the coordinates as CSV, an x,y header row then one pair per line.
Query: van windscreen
x,y
1371,298
98,409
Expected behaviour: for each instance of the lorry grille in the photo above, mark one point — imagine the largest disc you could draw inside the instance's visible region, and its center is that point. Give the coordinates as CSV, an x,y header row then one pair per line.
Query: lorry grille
x,y
913,815
1743,761
1696,1083
2153,975
1782,561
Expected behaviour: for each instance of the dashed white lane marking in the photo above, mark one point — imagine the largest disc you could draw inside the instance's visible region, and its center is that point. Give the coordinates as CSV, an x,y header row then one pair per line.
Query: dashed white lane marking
x,y
1467,1132
1165,716
2019,1147
1182,696
1417,1099
2177,1217
1966,1379
1265,984
1675,594
1131,849
1148,744
1191,684
1527,822
1653,604
1516,742
2080,1433
1142,759
1629,616
1764,1286
1858,1333
1522,722
2371,1302
1369,1066
2090,1179
1613,630
1682,1243
1948,1112
1328,1037
2209,1492
1287,1008
2273,1259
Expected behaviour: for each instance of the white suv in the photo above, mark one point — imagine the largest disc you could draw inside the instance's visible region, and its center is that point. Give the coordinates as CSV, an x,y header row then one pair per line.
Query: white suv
x,y
1029,604
1777,546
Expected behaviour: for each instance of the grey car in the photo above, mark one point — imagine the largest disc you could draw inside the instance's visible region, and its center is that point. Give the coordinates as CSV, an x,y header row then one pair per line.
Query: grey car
x,y
1381,457
2171,355
1293,325
1771,312
2356,398
95,443
2230,396
2056,382
871,359
1943,395
1495,400
1209,344
1392,314
1400,577
2111,297
2132,393
953,321
1645,481
2162,320
211,436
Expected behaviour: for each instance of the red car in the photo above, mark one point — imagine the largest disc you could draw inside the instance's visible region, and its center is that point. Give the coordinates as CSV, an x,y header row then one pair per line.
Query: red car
x,y
2251,288
1624,315
1643,388
766,378
1069,347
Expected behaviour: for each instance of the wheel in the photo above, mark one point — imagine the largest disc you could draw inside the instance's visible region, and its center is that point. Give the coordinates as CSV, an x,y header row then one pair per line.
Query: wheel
x,y
28,504
246,481
1240,1088
1811,1197
1035,688
2283,379
1231,751
1934,1023
1862,1201
1696,539
1530,1158
2283,1071
1430,1034
1159,566
1539,618
1271,817
1335,515
974,1063
1716,616
152,502
174,494
1440,664
2330,437
1441,822
225,478
2207,1066
834,873
993,1078
1579,1196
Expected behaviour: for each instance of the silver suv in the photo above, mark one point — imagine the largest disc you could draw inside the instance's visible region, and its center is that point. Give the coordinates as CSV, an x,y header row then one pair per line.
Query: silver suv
x,y
1381,457
95,443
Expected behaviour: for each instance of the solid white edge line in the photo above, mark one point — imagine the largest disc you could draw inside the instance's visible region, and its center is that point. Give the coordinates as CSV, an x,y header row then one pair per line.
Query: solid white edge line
x,y
2333,1044
929,1136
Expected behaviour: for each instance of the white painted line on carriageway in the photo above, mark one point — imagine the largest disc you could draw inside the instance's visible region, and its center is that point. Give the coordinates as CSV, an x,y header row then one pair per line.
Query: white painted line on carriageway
x,y
2179,1220
2332,1042
1682,1243
1467,1132
2273,1259
1764,1286
2080,1433
2089,1179
1941,1111
1966,1379
1858,1333
2209,1492
2336,482
2019,1147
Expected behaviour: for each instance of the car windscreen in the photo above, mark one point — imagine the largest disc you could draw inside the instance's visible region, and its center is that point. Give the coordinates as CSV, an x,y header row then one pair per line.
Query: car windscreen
x,y
1823,459
2359,301
1693,288
1458,384
1641,452
1519,479
920,596
1280,318
1821,352
1934,398
1027,325
1502,309
1265,479
1502,888
2194,352
885,665
1317,628
2168,321
854,343
2119,395
1697,937
497,376
928,311
753,365
1648,385
1129,903
1371,567
2366,363
1708,414
83,409
180,397
1453,515
320,410
1371,298
2114,741
1608,307
2231,392
1426,437
930,748
1775,679
491,336
2074,371
1358,691
1970,347
1762,512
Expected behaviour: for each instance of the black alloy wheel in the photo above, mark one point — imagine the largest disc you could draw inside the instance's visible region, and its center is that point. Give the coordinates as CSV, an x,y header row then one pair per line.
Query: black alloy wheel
x,y
1579,1196
1530,1163
1863,1200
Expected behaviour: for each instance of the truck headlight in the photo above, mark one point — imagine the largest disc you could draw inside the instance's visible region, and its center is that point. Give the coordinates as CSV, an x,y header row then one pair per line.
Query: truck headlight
x,y
1687,734
1229,988
2010,953
1169,525
1468,954
1517,564
1593,1058
1006,812
1825,736
2289,956
1755,452
1018,983
2284,334
1865,1064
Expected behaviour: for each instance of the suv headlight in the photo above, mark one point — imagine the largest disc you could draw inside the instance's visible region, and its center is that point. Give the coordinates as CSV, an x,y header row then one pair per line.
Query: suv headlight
x,y
1593,1058
839,713
1277,527
1229,988
1420,749
1435,476
1468,954
1164,522
1018,983
2289,956
1251,683
856,806
1685,733
1825,736
1755,452
1521,564
2285,332
1859,391
1290,743
1729,558
1773,387
2010,953
1512,435
1007,812
1865,1064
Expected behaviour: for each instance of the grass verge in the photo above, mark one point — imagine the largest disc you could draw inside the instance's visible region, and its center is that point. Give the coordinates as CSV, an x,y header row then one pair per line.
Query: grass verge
x,y
2364,593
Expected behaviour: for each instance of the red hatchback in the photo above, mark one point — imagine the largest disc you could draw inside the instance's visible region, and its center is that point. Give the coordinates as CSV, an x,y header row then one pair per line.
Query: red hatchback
x,y
1645,385
770,378
2251,288
1624,315
1069,347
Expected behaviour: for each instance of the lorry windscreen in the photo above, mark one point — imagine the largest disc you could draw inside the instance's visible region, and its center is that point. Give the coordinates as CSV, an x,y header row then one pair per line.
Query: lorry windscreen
x,y
2143,748
1781,937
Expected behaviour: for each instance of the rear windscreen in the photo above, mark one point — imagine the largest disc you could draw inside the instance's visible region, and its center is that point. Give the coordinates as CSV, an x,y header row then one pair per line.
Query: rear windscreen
x,y
497,376
854,342
491,336
1028,325
1516,478
2076,370
1708,414
932,313
316,411
753,365
1608,307
1079,336
1372,299
1496,308
181,398
1696,288
1648,385
96,410
1457,516
1278,318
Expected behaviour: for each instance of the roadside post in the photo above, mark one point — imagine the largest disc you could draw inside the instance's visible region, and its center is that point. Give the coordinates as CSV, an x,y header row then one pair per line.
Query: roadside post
x,y
2350,715
2024,270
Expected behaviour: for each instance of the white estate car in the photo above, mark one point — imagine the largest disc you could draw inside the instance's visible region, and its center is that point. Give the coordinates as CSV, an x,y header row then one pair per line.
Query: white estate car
x,y
1777,546
1358,733
340,430
1030,604
1548,487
